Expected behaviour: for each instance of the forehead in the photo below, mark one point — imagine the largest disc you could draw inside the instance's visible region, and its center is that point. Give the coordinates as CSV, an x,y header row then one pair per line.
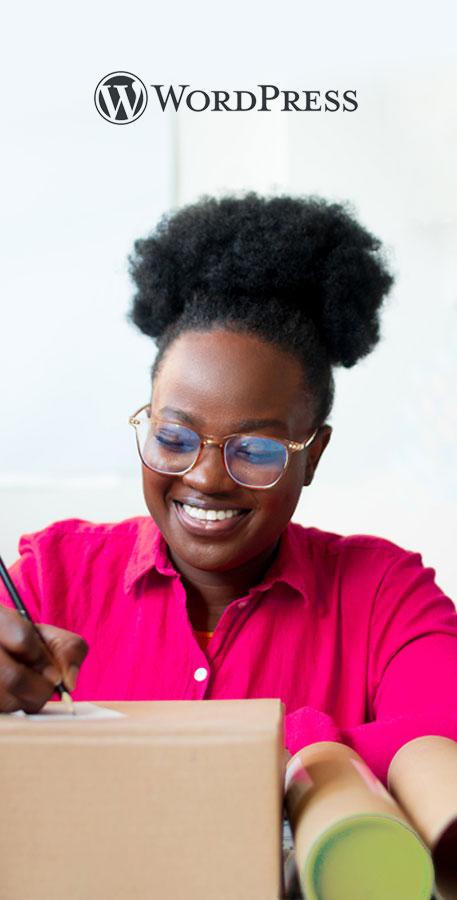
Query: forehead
x,y
222,377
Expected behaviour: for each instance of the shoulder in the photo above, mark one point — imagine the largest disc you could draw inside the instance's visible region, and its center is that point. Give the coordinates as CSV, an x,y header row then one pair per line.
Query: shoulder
x,y
362,570
354,549
366,565
75,535
359,563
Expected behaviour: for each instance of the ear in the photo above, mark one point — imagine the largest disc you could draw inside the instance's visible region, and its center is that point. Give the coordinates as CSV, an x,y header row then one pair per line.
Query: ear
x,y
315,452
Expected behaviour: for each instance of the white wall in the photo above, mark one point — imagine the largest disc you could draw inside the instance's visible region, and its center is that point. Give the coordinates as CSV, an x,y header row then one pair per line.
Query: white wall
x,y
390,468
79,190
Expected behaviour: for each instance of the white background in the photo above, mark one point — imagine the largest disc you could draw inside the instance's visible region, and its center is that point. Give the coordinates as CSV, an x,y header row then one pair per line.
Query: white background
x,y
77,191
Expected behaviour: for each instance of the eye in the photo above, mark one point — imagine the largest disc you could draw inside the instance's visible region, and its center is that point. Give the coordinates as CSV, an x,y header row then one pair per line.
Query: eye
x,y
176,439
259,450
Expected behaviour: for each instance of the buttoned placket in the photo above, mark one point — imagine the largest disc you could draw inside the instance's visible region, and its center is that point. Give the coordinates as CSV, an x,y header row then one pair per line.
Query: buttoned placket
x,y
202,673
205,664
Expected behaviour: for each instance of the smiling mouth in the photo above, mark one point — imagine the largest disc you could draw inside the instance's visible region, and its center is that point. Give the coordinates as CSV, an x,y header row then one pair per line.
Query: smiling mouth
x,y
208,520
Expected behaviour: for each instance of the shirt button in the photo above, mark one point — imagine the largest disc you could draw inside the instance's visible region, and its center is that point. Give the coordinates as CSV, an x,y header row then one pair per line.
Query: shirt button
x,y
201,673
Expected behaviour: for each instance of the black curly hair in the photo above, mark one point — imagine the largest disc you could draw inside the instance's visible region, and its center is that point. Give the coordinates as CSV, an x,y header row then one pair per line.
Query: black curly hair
x,y
300,273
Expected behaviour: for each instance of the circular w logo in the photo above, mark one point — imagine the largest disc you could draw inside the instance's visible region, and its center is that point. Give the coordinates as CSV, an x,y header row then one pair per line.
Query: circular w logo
x,y
120,97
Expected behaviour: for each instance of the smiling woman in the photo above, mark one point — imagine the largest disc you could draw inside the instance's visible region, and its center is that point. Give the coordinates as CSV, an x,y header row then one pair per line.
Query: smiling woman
x,y
217,594
223,381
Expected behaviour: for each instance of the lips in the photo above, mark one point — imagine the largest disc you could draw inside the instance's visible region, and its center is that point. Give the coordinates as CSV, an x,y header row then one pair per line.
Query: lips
x,y
206,504
209,526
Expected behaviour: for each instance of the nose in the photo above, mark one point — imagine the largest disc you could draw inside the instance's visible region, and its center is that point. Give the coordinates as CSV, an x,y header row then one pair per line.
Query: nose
x,y
209,474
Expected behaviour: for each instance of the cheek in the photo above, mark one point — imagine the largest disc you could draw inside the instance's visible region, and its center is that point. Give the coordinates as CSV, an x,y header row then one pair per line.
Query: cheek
x,y
155,488
279,503
291,484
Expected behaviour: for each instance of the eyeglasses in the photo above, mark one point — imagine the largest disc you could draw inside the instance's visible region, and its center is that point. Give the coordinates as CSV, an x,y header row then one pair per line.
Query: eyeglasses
x,y
173,449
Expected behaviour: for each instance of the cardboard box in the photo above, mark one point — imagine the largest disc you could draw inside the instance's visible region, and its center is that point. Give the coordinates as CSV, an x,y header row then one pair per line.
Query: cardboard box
x,y
178,800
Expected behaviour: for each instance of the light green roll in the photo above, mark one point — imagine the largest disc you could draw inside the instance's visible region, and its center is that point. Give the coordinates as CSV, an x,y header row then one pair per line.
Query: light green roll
x,y
368,857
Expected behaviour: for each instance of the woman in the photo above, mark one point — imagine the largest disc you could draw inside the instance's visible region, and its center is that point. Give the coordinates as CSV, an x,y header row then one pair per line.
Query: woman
x,y
217,595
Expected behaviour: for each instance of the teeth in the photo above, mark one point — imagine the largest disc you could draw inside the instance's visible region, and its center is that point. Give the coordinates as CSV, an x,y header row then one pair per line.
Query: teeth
x,y
210,514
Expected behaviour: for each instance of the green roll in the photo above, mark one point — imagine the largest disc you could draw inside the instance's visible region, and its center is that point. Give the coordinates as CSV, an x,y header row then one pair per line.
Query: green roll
x,y
368,857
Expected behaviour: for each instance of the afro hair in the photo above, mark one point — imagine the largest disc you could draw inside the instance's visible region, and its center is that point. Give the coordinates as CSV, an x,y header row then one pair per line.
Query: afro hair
x,y
301,273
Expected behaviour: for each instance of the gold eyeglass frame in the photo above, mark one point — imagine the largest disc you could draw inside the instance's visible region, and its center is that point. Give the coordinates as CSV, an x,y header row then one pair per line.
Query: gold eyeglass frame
x,y
207,440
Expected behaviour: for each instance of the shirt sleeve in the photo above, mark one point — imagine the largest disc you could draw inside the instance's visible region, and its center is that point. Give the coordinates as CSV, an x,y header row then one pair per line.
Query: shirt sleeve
x,y
412,677
25,575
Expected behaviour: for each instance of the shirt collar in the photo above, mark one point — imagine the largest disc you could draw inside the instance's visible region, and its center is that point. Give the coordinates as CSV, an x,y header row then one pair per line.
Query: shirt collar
x,y
149,554
290,565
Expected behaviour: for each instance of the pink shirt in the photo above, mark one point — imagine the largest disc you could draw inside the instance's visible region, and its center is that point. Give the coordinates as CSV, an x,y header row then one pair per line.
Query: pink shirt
x,y
352,633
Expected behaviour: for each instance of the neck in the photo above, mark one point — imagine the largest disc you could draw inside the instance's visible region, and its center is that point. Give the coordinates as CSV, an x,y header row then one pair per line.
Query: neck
x,y
209,593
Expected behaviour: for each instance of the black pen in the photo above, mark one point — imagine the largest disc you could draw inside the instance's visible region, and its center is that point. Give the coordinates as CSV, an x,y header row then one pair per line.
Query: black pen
x,y
22,609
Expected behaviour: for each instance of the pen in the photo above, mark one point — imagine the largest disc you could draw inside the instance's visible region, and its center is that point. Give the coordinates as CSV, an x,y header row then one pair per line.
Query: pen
x,y
22,609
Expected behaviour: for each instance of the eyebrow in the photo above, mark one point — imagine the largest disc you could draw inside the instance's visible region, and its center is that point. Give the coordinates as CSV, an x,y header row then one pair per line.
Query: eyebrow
x,y
242,425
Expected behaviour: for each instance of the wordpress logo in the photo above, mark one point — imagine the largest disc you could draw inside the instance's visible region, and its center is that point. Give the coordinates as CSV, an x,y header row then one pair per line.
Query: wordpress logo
x,y
121,98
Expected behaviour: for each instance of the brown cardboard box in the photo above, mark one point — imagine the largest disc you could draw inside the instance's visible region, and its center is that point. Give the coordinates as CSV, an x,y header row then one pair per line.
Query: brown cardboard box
x,y
175,801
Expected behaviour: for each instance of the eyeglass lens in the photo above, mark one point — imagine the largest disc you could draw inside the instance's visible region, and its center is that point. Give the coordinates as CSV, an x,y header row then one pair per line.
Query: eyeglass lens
x,y
171,448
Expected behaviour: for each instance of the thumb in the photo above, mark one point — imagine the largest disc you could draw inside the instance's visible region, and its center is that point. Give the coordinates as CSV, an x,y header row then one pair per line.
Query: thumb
x,y
68,650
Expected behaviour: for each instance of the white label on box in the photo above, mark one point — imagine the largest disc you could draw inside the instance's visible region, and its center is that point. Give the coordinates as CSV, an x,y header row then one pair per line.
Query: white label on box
x,y
56,712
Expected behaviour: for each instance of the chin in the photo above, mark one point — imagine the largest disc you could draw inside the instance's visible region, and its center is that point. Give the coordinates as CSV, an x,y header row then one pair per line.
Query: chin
x,y
210,558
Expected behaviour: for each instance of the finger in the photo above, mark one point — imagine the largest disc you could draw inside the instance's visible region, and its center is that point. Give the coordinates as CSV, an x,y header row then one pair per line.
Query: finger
x,y
20,686
68,649
9,703
20,639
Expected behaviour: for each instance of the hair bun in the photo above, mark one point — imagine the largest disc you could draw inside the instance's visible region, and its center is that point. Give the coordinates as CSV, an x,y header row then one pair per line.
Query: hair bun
x,y
310,255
